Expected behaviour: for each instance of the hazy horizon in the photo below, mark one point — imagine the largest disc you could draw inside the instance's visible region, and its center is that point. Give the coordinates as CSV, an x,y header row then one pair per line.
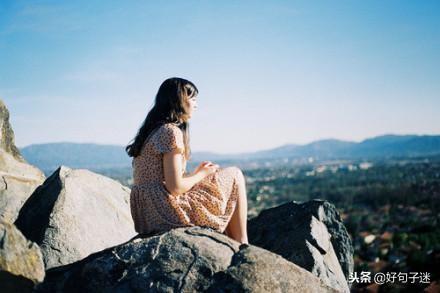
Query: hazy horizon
x,y
222,153
269,73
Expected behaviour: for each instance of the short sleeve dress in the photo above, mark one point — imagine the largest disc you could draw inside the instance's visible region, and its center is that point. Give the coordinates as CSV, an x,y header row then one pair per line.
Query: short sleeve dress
x,y
209,203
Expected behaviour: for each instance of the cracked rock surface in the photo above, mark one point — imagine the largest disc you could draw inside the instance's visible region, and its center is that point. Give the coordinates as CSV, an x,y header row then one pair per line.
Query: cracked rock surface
x,y
21,261
254,269
309,234
191,259
76,213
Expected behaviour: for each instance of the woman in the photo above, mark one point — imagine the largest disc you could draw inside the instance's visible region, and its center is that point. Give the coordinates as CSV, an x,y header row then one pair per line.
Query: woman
x,y
163,195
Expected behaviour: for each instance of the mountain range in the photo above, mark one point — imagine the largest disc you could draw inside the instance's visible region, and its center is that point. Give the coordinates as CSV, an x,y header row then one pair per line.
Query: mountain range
x,y
95,156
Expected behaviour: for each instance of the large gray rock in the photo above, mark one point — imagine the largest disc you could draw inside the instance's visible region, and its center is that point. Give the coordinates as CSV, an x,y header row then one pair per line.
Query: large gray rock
x,y
21,261
182,260
254,269
18,179
310,235
76,213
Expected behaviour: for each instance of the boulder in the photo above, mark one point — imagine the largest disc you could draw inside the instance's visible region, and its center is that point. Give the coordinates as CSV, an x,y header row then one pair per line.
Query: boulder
x,y
76,213
191,259
310,235
21,261
254,269
18,179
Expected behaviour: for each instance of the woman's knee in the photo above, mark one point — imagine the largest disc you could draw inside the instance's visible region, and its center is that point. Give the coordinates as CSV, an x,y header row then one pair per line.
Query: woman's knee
x,y
238,174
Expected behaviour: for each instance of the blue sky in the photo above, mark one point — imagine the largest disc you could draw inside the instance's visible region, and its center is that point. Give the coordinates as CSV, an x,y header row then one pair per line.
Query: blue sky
x,y
269,72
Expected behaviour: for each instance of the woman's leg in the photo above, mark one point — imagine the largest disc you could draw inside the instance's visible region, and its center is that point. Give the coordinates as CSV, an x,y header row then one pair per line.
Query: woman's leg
x,y
237,227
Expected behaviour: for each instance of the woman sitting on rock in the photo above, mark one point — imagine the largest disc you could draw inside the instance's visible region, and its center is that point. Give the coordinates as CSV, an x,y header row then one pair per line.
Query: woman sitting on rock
x,y
163,195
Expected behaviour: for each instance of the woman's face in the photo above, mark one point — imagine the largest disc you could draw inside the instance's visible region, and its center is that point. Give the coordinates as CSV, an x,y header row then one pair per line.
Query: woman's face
x,y
192,105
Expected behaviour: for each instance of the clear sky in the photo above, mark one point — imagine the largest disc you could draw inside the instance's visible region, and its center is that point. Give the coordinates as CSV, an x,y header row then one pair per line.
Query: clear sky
x,y
269,72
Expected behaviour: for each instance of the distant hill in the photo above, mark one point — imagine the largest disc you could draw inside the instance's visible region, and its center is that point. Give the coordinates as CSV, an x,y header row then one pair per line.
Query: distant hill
x,y
398,145
94,156
378,147
49,156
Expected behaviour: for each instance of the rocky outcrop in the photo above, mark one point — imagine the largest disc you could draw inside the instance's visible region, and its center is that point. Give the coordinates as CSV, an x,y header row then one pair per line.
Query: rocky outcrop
x,y
80,219
310,235
21,261
18,179
76,213
7,134
182,260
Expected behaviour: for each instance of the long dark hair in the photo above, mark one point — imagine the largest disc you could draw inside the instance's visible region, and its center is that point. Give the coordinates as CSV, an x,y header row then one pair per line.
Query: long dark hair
x,y
170,106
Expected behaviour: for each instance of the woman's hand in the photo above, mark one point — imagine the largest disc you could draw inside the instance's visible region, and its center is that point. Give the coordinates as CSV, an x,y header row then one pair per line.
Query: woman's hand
x,y
200,166
177,184
206,168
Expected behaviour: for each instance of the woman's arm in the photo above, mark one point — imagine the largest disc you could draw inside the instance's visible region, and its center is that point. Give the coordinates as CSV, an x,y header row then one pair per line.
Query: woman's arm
x,y
175,183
